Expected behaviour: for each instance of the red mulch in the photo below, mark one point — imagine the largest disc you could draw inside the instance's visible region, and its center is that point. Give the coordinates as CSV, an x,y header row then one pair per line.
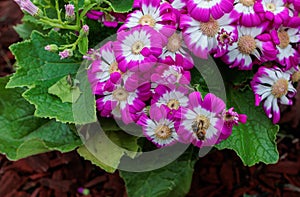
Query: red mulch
x,y
220,173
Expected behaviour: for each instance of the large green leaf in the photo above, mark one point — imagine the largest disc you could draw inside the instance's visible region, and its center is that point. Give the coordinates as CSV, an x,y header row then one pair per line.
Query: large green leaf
x,y
255,141
121,6
105,149
22,134
39,70
36,65
173,180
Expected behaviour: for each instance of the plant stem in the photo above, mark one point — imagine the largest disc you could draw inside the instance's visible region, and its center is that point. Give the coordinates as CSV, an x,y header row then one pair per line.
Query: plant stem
x,y
58,11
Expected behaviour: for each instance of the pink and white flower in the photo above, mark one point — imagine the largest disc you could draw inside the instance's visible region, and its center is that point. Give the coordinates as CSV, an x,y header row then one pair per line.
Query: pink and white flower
x,y
173,99
204,10
201,123
232,118
174,48
122,103
159,128
272,86
273,11
137,48
152,13
202,37
251,43
104,71
245,9
284,38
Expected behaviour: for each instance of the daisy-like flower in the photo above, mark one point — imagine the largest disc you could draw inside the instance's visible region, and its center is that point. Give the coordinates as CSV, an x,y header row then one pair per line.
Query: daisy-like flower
x,y
272,86
159,128
202,37
175,47
152,13
173,99
273,11
204,10
122,103
104,70
137,48
170,74
245,9
250,43
284,38
201,123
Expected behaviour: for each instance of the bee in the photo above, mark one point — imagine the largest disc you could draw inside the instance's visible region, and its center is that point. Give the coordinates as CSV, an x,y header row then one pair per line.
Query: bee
x,y
198,128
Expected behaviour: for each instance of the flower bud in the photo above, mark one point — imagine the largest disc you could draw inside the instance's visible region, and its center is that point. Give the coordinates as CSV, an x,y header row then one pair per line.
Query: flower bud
x,y
70,14
51,48
65,53
29,7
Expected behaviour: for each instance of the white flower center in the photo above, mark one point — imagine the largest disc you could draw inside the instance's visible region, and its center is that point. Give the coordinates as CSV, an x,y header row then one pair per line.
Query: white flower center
x,y
247,3
246,44
173,104
174,43
200,126
137,47
284,39
210,28
280,88
120,94
147,20
271,7
163,132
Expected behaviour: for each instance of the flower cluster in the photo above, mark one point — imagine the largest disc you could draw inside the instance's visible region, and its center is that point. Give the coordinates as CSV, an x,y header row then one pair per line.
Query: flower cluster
x,y
142,77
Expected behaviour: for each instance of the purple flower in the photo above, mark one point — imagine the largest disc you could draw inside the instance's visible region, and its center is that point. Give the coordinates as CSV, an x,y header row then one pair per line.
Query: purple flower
x,y
85,29
159,128
247,16
201,123
137,48
65,53
29,7
232,118
94,15
69,15
204,11
270,86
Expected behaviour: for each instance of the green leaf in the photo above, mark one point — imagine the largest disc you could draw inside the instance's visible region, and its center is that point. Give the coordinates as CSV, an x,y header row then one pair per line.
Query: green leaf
x,y
22,134
172,180
254,141
40,70
36,65
121,6
105,149
65,91
83,45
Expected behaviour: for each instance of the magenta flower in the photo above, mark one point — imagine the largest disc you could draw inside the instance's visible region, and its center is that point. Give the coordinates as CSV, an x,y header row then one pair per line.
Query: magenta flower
x,y
159,128
201,123
172,99
170,75
251,43
245,9
104,71
284,38
202,37
232,118
152,13
122,103
270,86
204,11
137,49
95,15
273,11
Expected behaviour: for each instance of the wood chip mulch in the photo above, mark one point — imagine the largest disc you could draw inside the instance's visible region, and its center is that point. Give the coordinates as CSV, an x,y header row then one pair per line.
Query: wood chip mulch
x,y
220,173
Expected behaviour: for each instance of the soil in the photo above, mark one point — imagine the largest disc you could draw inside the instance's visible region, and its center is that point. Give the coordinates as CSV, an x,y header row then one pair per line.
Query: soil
x,y
220,173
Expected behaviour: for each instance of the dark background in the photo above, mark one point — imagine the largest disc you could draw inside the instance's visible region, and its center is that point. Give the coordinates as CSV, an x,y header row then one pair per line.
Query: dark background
x,y
220,173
